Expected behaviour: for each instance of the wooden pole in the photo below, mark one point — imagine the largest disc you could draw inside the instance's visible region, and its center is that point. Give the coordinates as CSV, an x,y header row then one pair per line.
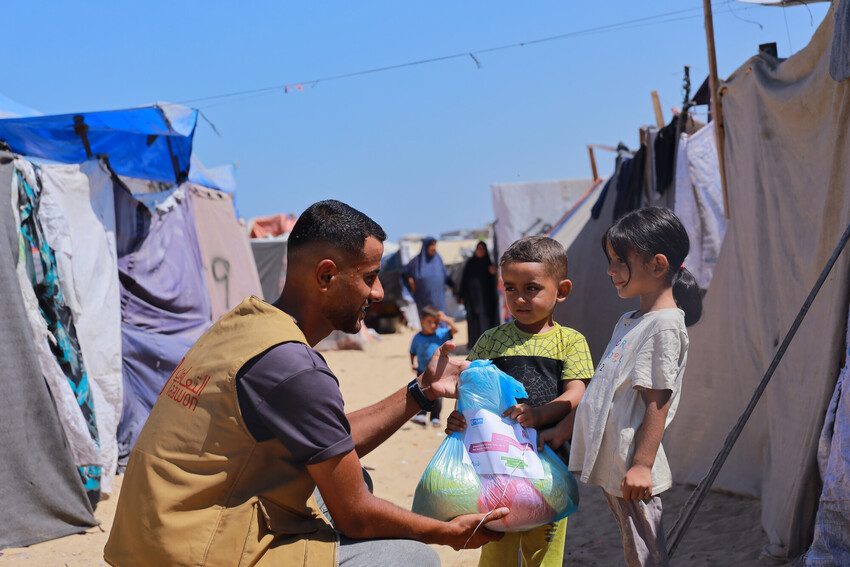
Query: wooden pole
x,y
592,155
656,105
716,103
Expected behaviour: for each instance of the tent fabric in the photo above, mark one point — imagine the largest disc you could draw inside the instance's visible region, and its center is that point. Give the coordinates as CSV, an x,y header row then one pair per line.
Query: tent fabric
x,y
41,496
78,215
229,267
831,545
839,63
570,225
139,142
528,209
699,201
220,177
787,157
42,274
84,450
593,307
165,304
270,259
273,225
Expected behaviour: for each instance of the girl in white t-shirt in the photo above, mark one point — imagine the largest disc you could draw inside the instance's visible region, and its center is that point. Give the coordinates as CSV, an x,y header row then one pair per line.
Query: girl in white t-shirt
x,y
634,393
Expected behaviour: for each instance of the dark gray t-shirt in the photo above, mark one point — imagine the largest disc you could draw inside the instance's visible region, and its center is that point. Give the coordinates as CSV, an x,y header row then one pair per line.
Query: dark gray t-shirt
x,y
289,393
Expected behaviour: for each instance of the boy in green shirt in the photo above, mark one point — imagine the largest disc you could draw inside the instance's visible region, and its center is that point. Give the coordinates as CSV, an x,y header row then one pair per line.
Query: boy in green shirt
x,y
551,361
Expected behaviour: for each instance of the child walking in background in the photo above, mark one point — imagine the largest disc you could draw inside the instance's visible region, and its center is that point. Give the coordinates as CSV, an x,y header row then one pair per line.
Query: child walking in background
x,y
551,361
635,391
437,328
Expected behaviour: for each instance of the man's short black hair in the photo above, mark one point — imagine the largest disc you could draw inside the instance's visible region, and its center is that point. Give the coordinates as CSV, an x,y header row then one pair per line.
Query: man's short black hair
x,y
538,249
336,224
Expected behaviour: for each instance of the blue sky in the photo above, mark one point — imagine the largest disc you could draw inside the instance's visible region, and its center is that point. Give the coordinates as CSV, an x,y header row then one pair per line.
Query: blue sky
x,y
416,148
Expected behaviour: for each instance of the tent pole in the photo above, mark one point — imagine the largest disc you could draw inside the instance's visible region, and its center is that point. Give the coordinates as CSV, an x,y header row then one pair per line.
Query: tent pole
x,y
716,104
689,510
656,106
592,155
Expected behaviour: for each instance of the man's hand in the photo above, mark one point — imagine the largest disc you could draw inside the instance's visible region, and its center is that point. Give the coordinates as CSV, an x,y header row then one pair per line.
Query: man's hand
x,y
464,535
637,484
440,378
523,414
456,422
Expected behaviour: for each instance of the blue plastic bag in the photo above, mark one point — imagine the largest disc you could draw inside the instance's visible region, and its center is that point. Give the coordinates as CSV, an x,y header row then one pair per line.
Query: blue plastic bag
x,y
536,486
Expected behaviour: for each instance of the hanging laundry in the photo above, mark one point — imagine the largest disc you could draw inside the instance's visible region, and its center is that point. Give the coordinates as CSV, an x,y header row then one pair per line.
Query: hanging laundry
x,y
623,154
42,273
630,184
41,496
83,448
229,267
664,147
699,201
165,305
77,214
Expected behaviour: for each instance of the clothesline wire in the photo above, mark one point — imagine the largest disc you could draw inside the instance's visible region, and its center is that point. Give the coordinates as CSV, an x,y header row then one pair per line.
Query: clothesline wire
x,y
667,17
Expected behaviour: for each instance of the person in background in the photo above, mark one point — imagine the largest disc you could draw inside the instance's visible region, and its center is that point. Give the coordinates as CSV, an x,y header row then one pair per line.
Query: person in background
x,y
427,277
478,293
437,328
634,393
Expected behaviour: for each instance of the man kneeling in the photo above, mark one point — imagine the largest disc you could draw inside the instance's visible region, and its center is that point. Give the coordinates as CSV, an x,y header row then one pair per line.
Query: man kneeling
x,y
252,420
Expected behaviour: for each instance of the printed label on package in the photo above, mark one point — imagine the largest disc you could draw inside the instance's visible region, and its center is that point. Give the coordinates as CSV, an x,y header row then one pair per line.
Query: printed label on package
x,y
498,445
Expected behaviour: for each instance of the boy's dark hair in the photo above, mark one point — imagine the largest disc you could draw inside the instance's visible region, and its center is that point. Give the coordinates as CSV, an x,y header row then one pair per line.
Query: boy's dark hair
x,y
429,312
539,249
334,223
652,231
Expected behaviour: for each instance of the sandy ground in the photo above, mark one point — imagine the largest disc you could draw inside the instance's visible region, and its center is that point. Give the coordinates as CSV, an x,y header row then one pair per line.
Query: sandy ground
x,y
725,532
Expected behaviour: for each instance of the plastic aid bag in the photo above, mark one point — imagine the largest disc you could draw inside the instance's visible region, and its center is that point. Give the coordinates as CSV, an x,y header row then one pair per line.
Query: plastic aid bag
x,y
495,462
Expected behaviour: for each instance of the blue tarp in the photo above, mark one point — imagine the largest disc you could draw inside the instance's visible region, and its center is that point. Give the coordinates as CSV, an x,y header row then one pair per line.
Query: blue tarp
x,y
152,142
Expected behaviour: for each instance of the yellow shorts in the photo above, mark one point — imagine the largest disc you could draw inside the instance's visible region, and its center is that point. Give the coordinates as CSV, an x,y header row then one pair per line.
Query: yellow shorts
x,y
536,551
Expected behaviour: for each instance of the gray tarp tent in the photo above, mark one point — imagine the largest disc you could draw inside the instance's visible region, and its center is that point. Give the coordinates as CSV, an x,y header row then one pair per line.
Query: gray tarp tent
x,y
41,496
788,171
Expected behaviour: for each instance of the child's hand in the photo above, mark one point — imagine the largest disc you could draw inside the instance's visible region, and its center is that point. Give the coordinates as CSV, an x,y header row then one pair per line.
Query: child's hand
x,y
556,437
456,422
637,484
523,414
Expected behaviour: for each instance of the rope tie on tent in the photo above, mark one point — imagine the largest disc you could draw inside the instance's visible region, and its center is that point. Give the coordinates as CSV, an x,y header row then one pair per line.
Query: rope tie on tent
x,y
81,129
683,521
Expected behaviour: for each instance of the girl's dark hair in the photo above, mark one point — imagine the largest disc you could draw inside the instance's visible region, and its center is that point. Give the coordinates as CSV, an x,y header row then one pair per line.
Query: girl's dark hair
x,y
652,231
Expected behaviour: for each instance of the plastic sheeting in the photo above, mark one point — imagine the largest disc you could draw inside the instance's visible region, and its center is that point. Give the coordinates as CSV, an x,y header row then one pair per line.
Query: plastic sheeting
x,y
787,157
41,497
139,142
165,304
229,267
78,216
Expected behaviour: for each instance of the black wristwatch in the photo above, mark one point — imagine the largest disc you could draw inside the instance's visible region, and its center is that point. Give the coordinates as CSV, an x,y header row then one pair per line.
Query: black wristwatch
x,y
417,394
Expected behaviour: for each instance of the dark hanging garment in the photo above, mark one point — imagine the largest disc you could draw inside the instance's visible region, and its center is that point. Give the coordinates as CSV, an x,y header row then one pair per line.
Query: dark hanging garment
x,y
41,497
623,155
478,292
665,146
630,184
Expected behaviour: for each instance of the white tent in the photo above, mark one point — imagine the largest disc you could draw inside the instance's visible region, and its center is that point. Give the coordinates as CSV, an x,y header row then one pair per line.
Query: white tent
x,y
789,191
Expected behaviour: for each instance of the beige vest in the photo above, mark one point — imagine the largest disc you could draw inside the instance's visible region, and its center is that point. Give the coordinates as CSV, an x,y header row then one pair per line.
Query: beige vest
x,y
199,489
